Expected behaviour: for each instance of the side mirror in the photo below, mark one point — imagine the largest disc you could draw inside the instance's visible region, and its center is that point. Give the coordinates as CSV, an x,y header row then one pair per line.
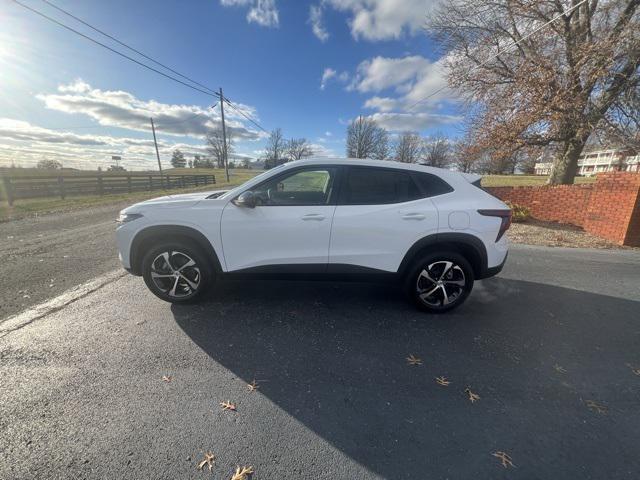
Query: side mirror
x,y
246,199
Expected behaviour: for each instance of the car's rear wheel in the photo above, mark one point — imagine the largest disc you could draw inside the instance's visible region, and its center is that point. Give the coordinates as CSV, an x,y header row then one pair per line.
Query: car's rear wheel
x,y
440,282
177,272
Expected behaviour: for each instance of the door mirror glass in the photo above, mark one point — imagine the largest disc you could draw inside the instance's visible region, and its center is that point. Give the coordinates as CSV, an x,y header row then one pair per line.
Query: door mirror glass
x,y
246,199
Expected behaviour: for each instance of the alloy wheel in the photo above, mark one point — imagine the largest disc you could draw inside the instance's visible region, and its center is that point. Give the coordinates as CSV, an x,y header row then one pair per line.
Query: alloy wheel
x,y
175,274
441,284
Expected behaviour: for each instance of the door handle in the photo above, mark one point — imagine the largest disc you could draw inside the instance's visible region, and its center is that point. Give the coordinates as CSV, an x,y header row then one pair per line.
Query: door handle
x,y
413,216
313,216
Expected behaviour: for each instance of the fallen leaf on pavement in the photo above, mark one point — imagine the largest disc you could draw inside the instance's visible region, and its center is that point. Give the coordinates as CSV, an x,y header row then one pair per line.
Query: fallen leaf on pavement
x,y
209,459
253,386
167,378
596,407
472,396
442,381
228,406
636,371
506,459
559,369
413,360
242,473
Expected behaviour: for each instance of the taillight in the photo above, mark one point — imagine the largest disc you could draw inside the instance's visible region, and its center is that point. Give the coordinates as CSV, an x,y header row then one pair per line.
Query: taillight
x,y
505,216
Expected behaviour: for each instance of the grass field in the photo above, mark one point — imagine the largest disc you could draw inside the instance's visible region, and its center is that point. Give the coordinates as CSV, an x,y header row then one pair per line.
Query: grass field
x,y
39,206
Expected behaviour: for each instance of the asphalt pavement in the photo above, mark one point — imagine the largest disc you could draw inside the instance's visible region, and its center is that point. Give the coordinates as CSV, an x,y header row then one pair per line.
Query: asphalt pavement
x,y
550,347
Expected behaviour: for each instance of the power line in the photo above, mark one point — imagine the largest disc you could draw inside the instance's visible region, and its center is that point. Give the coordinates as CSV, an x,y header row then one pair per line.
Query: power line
x,y
112,49
248,117
208,91
514,44
127,46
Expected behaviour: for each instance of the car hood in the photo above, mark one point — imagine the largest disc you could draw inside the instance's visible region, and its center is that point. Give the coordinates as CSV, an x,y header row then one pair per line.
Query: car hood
x,y
182,200
184,197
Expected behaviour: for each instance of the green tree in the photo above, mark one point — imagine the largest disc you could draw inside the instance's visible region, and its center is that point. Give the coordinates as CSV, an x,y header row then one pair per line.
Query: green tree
x,y
178,160
48,164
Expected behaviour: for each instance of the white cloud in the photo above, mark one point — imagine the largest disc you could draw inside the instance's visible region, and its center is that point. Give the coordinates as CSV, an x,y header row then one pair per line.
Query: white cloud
x,y
320,150
26,144
317,26
330,73
382,104
327,75
400,122
403,74
418,83
78,86
122,109
262,12
384,19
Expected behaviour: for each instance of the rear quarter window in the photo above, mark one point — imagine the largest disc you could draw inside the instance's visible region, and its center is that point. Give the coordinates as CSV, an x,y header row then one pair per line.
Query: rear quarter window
x,y
431,185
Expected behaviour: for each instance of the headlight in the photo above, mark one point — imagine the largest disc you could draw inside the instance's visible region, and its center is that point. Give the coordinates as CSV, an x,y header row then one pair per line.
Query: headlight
x,y
128,217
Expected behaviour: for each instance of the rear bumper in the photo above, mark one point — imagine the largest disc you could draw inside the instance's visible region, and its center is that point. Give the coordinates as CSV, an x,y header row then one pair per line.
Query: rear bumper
x,y
492,271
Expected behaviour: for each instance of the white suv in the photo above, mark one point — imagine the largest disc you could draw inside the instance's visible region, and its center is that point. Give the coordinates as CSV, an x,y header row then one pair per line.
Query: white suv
x,y
433,231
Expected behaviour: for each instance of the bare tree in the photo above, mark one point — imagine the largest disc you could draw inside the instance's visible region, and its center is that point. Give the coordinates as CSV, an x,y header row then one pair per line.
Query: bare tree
x,y
437,151
274,154
365,139
383,149
555,86
408,148
465,159
215,145
621,125
298,148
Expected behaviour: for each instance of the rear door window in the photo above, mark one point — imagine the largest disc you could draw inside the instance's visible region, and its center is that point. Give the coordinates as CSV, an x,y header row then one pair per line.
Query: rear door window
x,y
378,186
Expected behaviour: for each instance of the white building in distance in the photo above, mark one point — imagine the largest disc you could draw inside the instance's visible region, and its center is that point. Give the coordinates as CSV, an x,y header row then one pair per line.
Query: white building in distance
x,y
599,161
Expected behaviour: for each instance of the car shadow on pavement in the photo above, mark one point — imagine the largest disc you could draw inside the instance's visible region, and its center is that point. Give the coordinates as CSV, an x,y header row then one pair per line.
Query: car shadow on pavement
x,y
541,358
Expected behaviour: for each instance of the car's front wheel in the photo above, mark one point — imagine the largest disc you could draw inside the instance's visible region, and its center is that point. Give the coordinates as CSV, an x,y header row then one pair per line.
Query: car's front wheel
x,y
440,282
176,272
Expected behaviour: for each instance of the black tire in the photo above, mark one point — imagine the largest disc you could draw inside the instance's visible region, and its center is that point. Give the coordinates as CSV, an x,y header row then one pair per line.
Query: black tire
x,y
449,291
189,283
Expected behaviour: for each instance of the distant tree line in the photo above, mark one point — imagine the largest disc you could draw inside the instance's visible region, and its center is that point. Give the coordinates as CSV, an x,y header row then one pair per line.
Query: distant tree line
x,y
280,150
366,139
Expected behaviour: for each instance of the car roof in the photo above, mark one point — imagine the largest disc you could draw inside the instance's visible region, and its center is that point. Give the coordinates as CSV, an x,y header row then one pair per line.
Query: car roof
x,y
368,162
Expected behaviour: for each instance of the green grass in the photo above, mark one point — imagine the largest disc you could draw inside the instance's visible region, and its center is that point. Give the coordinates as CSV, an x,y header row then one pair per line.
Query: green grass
x,y
307,182
40,206
524,180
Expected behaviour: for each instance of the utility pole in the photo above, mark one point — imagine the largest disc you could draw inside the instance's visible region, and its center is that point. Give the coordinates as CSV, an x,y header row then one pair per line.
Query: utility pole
x,y
153,129
224,137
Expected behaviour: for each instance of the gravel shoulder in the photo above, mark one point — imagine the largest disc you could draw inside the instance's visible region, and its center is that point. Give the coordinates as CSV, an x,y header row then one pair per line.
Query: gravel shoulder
x,y
41,257
551,234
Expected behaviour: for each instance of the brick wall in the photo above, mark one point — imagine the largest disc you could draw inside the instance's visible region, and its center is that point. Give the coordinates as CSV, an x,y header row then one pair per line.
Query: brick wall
x,y
609,208
613,209
564,203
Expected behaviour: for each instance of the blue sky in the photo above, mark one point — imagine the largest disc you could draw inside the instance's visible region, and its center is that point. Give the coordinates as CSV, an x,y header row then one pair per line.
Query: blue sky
x,y
61,96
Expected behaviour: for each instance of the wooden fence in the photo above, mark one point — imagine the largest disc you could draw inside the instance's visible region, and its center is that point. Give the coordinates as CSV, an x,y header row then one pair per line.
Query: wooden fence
x,y
36,186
